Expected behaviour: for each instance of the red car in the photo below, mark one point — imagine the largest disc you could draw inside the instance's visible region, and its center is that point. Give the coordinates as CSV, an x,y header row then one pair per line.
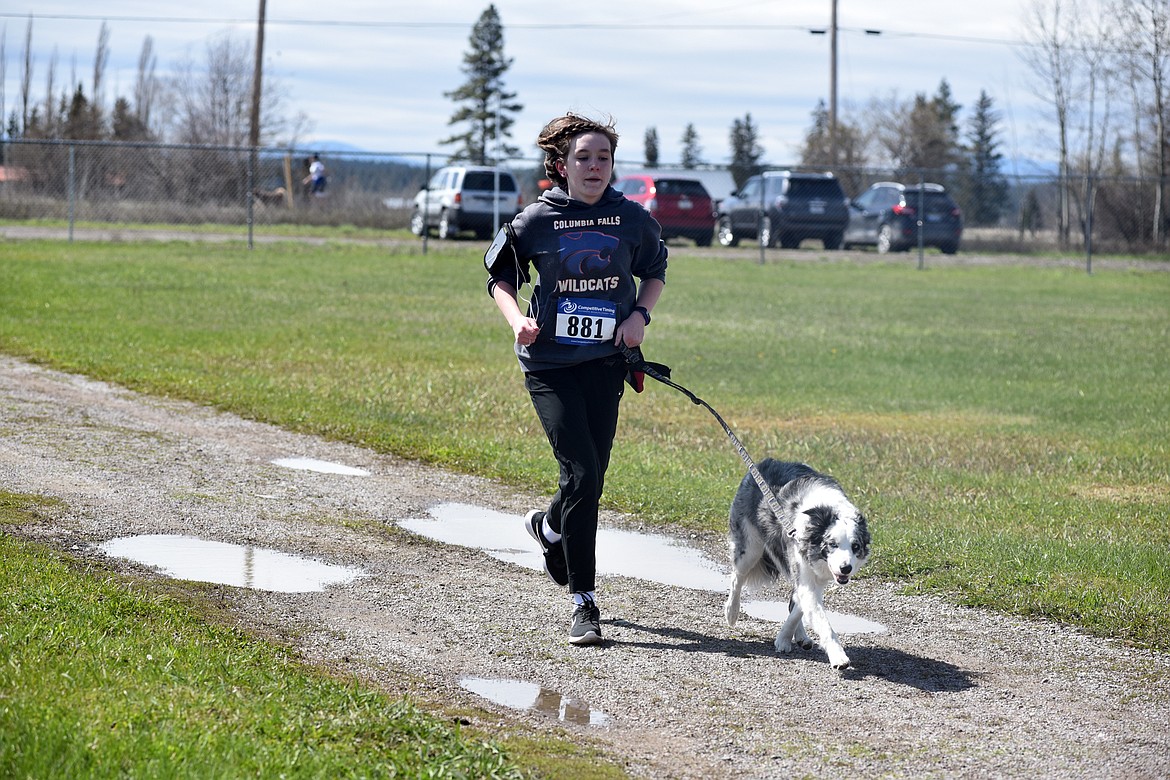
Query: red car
x,y
682,206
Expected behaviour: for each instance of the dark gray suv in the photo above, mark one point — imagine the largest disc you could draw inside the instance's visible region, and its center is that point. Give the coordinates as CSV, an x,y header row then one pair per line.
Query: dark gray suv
x,y
888,215
786,208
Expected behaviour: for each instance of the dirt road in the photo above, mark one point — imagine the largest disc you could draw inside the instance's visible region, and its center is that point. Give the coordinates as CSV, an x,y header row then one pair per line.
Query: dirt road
x,y
945,692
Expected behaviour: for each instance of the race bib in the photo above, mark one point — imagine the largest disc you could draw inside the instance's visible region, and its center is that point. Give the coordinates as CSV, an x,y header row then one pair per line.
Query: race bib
x,y
585,320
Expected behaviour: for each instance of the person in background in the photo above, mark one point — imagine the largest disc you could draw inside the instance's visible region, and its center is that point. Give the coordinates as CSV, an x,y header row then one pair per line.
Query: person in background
x,y
316,179
597,266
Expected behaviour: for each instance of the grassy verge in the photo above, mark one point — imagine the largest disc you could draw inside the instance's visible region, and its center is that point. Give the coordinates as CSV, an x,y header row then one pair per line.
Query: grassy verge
x,y
105,677
1005,428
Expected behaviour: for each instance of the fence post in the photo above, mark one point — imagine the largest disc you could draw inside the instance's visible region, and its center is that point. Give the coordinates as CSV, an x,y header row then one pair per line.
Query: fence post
x,y
763,215
426,215
251,189
1090,204
72,189
921,221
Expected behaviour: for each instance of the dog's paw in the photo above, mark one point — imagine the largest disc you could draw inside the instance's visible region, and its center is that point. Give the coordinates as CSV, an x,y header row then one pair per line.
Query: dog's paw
x,y
805,643
838,659
731,612
782,645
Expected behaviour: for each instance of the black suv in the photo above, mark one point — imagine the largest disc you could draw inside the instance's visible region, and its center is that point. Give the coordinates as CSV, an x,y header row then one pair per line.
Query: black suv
x,y
785,207
887,216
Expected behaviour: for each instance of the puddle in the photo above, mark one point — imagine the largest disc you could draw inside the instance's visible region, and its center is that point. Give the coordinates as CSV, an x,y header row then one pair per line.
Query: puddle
x,y
645,556
192,558
533,698
323,466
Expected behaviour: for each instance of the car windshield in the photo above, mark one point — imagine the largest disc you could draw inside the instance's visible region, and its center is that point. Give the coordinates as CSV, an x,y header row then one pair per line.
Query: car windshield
x,y
688,187
486,180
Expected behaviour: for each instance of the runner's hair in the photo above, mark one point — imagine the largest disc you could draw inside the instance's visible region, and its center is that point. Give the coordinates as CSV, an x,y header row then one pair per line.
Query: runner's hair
x,y
557,136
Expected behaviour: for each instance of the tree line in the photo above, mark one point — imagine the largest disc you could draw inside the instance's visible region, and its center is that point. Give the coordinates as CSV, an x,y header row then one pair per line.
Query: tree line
x,y
1099,66
205,101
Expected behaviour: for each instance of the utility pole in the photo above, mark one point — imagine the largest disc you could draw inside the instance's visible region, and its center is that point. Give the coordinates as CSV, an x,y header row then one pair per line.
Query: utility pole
x,y
832,86
254,129
257,73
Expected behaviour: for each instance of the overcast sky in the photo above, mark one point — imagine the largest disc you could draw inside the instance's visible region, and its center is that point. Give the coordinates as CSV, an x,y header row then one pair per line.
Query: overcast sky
x,y
372,73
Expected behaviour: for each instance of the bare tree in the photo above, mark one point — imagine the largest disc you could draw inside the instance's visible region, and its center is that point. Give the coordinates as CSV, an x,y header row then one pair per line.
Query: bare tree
x,y
1144,35
3,77
26,77
100,60
1053,34
210,103
885,137
213,103
146,86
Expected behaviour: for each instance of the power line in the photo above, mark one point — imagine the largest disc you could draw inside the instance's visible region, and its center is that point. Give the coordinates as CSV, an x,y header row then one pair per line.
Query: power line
x,y
648,26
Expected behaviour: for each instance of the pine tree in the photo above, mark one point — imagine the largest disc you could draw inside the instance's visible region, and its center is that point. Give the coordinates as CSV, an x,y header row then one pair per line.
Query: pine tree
x,y
816,141
692,152
486,107
745,150
125,124
650,144
986,187
933,131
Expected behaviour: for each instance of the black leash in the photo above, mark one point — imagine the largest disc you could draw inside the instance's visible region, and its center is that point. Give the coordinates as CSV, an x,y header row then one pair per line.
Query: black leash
x,y
638,363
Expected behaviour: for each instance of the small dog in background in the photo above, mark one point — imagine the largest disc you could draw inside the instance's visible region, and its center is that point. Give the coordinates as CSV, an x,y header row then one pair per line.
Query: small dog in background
x,y
829,544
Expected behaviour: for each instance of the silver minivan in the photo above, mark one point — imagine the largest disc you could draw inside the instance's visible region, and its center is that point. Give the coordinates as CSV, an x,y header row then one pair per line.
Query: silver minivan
x,y
466,197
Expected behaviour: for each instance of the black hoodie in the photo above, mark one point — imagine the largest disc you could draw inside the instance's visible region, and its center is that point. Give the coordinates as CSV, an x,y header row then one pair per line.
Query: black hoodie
x,y
586,258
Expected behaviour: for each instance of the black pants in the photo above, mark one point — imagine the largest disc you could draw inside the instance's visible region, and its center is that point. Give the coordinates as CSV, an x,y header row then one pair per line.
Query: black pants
x,y
578,407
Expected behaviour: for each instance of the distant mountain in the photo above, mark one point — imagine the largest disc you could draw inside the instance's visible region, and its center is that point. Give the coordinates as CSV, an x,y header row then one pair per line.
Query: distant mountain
x,y
332,147
1027,167
342,150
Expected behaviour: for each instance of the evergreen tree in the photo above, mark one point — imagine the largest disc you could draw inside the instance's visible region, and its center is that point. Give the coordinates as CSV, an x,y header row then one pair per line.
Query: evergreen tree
x,y
650,144
746,151
81,122
486,107
126,124
986,188
692,152
818,151
933,132
816,142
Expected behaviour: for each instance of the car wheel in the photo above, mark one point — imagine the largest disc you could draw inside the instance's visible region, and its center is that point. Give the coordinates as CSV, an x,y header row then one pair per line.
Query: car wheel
x,y
949,249
789,241
885,239
704,238
416,223
726,235
447,228
833,241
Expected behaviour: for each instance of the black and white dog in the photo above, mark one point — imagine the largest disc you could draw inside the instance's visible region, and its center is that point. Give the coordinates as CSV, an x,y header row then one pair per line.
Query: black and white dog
x,y
830,542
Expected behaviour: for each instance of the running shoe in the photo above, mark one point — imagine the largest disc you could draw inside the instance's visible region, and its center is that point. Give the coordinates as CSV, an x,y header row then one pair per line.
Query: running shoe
x,y
586,628
554,554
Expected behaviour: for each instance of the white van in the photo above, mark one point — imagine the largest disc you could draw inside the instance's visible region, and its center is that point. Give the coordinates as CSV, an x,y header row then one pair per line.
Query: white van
x,y
468,197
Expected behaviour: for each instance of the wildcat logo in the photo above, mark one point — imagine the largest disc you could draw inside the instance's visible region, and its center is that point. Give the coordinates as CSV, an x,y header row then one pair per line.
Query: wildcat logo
x,y
586,253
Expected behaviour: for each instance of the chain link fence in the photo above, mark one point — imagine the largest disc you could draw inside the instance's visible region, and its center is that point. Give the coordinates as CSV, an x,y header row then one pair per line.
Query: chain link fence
x,y
161,185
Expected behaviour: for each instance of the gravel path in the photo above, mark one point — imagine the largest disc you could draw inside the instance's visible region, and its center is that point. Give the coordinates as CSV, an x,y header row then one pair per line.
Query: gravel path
x,y
946,692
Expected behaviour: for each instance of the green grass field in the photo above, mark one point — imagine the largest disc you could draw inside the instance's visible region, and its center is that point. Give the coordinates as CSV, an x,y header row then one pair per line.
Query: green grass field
x,y
1004,428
